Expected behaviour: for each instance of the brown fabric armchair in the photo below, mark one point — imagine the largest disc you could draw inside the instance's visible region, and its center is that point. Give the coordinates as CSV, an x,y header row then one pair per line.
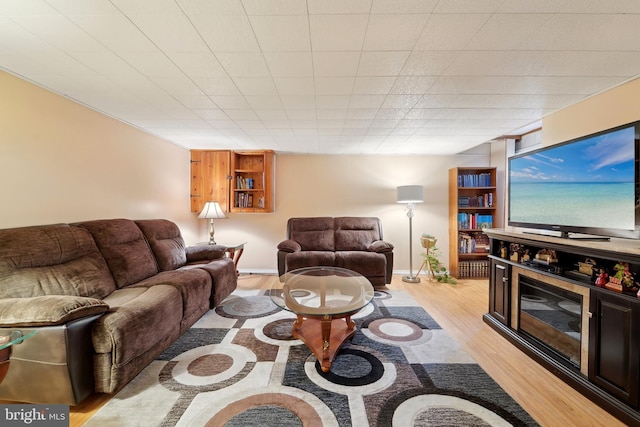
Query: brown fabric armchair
x,y
354,243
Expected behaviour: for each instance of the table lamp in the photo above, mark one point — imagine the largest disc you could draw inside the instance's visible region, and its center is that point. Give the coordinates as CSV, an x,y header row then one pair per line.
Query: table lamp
x,y
211,211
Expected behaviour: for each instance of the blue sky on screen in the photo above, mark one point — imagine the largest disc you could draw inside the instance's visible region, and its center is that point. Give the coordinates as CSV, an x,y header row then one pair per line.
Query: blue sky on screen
x,y
604,158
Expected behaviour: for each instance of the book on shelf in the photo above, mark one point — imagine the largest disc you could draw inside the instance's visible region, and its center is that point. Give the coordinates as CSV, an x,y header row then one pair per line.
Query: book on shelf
x,y
474,180
474,221
481,201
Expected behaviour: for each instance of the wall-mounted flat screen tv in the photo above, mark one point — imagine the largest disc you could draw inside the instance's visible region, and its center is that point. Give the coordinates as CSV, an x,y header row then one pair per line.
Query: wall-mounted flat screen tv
x,y
586,186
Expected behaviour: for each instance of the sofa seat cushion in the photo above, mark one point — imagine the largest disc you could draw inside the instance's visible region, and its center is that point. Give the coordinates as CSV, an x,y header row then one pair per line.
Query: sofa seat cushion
x,y
224,278
124,248
313,234
47,310
138,319
52,260
310,259
369,264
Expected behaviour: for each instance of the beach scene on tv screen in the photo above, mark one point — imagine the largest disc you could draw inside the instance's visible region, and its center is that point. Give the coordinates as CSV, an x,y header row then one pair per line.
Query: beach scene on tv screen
x,y
587,183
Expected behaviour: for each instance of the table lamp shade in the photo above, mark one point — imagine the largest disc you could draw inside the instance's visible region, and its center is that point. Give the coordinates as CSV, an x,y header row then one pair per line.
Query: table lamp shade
x,y
410,194
212,210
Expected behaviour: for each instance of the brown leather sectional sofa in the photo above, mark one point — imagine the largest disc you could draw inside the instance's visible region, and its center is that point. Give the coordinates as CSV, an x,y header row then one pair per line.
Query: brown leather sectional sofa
x,y
354,243
106,297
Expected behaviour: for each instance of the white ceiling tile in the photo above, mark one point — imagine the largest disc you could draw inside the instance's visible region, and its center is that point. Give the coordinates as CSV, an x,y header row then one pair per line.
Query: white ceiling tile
x,y
373,85
115,32
275,7
243,64
438,34
403,6
171,33
263,86
387,63
195,102
428,63
337,64
209,8
333,7
333,101
400,101
406,85
211,114
366,101
338,32
203,64
216,85
289,64
303,115
394,32
466,6
298,102
241,115
226,33
229,101
361,113
328,114
260,102
288,33
391,113
295,85
334,85
507,31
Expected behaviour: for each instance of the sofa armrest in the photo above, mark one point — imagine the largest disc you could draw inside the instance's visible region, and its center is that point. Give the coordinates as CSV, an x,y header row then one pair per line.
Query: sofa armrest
x,y
289,246
204,252
380,246
48,310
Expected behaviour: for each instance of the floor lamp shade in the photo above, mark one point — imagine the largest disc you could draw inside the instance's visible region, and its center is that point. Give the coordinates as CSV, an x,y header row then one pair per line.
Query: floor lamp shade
x,y
410,194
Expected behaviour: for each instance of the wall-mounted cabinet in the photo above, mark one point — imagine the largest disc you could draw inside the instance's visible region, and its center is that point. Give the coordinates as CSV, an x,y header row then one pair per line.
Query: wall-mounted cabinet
x,y
473,205
241,181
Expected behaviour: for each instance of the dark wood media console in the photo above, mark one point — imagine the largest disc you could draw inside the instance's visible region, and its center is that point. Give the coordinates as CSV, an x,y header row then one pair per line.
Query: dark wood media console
x,y
551,308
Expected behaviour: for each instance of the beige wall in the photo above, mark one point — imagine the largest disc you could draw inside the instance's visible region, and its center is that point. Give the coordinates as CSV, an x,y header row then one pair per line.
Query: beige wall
x,y
609,109
62,162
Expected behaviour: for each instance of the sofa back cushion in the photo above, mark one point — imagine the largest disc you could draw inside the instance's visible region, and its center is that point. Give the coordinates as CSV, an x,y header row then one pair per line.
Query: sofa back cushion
x,y
356,233
313,234
52,260
165,241
124,248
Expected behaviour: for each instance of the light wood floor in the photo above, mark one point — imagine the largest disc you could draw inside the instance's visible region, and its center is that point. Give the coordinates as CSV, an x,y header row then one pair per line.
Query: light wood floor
x,y
459,309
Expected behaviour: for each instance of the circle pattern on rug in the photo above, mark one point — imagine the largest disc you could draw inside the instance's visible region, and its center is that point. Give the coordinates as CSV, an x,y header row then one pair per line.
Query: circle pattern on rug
x,y
210,364
396,330
353,368
290,405
247,307
423,407
280,330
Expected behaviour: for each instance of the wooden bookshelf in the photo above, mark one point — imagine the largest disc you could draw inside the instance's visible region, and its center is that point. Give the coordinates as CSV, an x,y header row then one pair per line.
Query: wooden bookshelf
x,y
473,205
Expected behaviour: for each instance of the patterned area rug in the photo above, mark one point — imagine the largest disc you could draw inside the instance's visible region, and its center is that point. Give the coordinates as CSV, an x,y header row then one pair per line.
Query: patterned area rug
x,y
240,366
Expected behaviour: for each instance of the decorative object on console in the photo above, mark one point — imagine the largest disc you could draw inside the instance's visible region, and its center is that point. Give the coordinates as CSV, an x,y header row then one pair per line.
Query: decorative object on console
x,y
410,195
211,211
622,280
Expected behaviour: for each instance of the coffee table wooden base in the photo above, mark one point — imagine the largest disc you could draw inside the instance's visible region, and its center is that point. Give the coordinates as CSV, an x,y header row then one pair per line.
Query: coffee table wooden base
x,y
324,335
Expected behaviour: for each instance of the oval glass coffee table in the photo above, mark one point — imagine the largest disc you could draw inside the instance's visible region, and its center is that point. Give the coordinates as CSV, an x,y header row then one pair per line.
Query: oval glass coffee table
x,y
323,299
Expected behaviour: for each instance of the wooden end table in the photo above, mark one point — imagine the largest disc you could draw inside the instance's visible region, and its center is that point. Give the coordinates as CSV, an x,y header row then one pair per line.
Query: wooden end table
x,y
323,299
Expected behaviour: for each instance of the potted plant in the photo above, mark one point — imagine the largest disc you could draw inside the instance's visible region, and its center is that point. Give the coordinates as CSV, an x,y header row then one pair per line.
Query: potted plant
x,y
435,269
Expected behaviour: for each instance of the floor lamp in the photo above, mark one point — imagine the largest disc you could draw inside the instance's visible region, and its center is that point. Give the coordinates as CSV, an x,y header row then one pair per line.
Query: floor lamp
x,y
410,195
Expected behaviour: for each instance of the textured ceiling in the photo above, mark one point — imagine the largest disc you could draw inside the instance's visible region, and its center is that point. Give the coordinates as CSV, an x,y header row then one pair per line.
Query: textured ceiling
x,y
324,76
